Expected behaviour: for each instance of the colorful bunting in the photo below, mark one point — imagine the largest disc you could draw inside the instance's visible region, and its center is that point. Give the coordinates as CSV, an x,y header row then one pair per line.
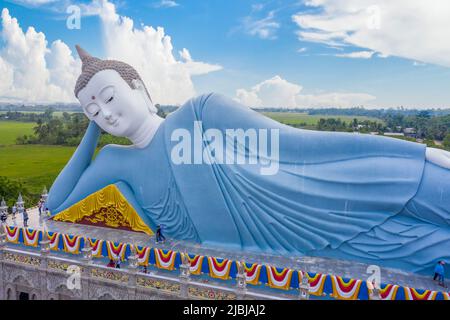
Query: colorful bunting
x,y
71,243
165,259
116,251
31,237
345,289
96,245
53,237
143,254
219,268
196,262
252,273
316,283
279,278
389,292
12,234
413,294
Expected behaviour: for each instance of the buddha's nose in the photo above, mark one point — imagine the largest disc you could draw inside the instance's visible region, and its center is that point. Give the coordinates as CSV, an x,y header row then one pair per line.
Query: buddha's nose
x,y
107,114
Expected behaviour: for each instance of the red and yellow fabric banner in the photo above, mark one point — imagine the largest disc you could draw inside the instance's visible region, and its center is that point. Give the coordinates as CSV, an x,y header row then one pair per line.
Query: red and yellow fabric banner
x,y
252,272
165,259
195,263
345,290
316,283
116,251
412,294
54,240
279,279
219,268
96,246
30,237
143,255
389,292
12,234
71,243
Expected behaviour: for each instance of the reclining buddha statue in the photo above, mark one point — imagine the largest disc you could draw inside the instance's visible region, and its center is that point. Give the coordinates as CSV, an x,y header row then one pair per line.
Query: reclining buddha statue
x,y
217,173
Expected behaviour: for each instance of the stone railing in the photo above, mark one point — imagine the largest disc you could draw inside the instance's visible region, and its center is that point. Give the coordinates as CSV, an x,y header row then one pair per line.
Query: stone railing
x,y
234,277
41,274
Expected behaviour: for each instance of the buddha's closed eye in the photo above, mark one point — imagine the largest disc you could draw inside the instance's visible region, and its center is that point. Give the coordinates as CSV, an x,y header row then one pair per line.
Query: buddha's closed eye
x,y
107,94
93,109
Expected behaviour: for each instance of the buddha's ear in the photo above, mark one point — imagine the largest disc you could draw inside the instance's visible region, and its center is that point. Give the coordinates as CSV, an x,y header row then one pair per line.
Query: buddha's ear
x,y
139,85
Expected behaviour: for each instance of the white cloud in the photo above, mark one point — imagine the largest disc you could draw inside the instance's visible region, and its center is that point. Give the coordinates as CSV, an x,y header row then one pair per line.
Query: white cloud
x,y
411,29
166,4
301,50
33,3
264,28
32,71
277,92
356,55
196,67
149,50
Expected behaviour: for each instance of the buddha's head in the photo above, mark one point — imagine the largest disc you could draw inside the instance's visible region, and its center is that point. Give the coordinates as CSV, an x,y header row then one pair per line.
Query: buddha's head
x,y
113,95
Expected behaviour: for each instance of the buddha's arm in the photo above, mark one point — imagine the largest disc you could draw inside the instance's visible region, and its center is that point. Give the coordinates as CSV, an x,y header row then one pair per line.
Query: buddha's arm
x,y
106,169
72,172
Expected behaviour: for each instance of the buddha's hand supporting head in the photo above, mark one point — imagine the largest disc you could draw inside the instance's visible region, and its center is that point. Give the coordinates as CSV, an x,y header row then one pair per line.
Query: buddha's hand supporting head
x,y
113,95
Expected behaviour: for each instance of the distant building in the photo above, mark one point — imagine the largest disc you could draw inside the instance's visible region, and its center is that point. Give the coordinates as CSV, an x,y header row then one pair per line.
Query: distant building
x,y
410,132
394,134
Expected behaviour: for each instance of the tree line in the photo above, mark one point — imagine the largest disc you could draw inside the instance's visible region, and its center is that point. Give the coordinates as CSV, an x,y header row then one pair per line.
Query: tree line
x,y
67,130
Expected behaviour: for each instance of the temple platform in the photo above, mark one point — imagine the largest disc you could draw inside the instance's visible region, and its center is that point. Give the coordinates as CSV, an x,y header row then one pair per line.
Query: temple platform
x,y
343,268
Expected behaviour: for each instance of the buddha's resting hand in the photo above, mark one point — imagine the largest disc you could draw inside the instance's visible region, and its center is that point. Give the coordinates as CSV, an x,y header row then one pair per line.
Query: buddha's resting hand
x,y
81,159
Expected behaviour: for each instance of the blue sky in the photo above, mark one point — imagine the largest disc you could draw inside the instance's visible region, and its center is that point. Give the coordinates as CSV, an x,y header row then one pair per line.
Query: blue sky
x,y
254,41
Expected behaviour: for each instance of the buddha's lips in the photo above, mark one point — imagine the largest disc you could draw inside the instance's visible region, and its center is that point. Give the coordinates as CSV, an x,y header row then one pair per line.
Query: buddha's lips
x,y
114,123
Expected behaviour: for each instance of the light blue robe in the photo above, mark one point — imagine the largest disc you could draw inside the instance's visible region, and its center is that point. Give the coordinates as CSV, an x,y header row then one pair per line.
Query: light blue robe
x,y
343,195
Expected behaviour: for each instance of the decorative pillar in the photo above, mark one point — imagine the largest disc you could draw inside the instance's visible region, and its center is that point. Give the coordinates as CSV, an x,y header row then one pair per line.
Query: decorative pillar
x,y
304,288
132,270
86,268
45,251
185,274
3,209
87,251
241,281
2,238
2,247
44,195
374,291
20,204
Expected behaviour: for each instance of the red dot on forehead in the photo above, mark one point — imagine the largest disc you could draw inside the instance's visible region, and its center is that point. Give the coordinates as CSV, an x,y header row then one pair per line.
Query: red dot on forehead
x,y
93,97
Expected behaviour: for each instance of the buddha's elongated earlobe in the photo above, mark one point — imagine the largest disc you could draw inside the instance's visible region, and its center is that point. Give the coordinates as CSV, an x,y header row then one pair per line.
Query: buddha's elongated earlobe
x,y
138,85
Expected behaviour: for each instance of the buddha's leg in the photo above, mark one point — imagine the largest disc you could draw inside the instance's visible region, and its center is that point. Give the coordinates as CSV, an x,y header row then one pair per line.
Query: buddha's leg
x,y
432,201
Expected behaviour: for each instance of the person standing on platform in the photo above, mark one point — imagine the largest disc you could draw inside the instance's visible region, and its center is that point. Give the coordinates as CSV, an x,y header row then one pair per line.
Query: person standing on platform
x,y
25,218
14,210
159,236
439,272
40,205
3,217
111,264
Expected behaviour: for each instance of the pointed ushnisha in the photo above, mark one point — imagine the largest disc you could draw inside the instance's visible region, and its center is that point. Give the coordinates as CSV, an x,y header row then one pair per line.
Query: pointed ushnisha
x,y
91,65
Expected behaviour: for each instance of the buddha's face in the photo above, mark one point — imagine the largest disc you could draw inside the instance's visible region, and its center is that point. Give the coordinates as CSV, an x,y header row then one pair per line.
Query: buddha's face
x,y
108,100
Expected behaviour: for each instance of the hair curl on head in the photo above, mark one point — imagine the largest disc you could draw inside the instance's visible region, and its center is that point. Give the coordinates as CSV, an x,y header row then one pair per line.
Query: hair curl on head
x,y
92,65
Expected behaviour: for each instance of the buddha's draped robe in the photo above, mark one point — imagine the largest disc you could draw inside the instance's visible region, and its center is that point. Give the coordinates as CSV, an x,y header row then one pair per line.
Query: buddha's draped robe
x,y
344,195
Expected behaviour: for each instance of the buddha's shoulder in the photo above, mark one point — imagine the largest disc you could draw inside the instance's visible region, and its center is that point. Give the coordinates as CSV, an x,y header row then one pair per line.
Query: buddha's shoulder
x,y
208,101
113,151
